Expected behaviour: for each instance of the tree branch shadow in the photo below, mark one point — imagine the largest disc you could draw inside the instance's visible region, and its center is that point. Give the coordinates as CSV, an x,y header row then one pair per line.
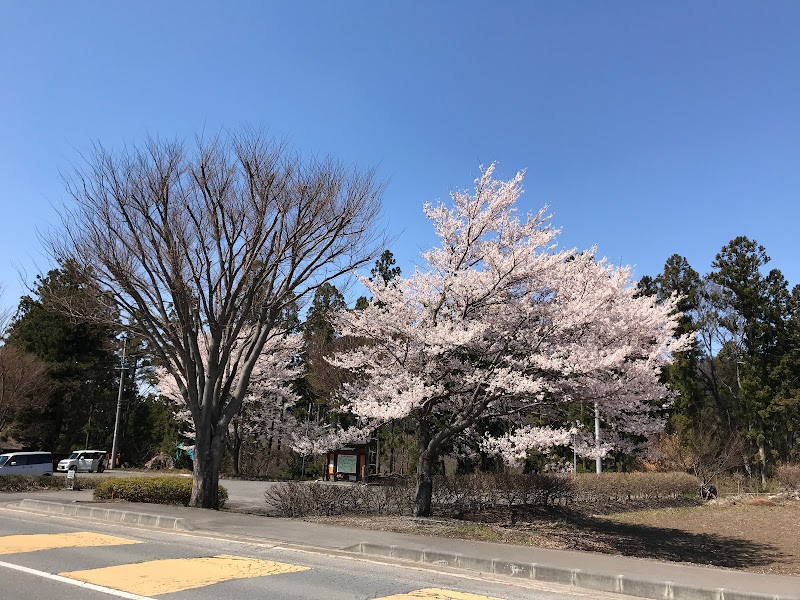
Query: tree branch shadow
x,y
578,530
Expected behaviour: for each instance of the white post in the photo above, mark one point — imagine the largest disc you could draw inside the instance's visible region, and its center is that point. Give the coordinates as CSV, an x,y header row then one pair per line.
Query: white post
x,y
598,461
119,407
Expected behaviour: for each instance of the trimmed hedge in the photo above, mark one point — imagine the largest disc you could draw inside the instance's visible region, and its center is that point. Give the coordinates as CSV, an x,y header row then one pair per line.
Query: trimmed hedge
x,y
300,499
152,490
627,487
26,483
457,495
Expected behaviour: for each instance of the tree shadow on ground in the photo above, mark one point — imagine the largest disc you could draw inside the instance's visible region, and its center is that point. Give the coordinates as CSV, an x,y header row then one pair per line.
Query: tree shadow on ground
x,y
578,530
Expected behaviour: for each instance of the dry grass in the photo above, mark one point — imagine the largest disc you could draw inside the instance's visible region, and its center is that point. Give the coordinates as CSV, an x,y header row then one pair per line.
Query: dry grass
x,y
768,529
757,536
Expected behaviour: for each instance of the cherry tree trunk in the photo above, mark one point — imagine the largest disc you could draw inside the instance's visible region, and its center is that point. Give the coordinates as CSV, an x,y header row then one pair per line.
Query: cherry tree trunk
x,y
234,444
207,458
424,495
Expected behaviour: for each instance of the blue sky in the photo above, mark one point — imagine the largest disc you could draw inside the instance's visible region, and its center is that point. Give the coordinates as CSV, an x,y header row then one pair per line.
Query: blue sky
x,y
650,128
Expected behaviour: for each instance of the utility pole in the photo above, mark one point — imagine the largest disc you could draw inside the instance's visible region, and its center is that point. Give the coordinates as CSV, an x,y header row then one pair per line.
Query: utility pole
x,y
119,406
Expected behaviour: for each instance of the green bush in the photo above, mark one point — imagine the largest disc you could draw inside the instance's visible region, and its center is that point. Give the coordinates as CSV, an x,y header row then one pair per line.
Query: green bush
x,y
84,483
153,490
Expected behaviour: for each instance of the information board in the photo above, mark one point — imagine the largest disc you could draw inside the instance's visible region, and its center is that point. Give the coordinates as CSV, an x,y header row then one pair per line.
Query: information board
x,y
346,463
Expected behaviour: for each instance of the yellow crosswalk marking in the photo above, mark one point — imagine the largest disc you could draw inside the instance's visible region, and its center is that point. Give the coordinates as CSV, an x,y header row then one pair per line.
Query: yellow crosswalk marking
x,y
437,594
12,544
177,574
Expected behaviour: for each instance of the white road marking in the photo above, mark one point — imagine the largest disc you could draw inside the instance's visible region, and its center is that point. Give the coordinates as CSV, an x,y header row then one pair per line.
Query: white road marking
x,y
75,582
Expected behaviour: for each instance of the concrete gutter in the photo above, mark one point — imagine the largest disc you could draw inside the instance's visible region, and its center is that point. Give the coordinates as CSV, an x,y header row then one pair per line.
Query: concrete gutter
x,y
600,582
126,517
655,587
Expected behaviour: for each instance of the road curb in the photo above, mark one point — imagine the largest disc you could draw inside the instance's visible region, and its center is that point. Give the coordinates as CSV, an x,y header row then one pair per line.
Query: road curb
x,y
599,582
126,517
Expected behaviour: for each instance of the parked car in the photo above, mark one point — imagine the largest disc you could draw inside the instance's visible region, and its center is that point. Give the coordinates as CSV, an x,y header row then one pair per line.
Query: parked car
x,y
84,461
26,463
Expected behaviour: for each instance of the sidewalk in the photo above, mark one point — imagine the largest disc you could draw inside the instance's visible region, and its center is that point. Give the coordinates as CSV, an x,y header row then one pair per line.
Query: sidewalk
x,y
631,576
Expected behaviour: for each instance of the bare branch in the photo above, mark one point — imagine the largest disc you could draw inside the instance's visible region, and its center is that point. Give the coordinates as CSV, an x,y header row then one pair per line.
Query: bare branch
x,y
197,246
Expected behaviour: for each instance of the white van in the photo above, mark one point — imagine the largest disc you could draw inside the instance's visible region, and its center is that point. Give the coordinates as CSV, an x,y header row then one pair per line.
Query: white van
x,y
83,461
26,463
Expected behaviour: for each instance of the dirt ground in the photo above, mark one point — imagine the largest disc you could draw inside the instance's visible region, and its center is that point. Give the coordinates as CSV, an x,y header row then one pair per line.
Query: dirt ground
x,y
759,535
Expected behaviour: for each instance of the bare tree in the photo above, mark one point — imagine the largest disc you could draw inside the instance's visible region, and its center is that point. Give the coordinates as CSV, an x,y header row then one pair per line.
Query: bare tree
x,y
202,250
707,451
24,383
6,315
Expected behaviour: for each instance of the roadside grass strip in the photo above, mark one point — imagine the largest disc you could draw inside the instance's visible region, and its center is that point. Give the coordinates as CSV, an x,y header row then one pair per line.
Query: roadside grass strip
x,y
15,544
177,574
437,594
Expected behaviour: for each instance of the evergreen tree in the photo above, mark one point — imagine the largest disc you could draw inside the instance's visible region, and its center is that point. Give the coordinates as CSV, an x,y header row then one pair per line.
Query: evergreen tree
x,y
385,268
80,358
740,378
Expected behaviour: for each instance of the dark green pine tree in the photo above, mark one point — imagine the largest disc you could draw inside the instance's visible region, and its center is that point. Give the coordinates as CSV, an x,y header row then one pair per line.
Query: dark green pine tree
x,y
683,375
318,327
320,378
80,357
385,268
755,312
384,271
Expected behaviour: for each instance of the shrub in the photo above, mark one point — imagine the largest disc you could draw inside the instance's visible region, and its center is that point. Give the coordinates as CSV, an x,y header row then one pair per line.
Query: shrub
x,y
83,483
153,490
397,498
458,494
299,499
788,477
291,499
625,487
26,483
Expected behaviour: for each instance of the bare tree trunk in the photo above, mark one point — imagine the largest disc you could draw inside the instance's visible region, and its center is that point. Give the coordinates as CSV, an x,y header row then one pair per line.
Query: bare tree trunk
x,y
205,486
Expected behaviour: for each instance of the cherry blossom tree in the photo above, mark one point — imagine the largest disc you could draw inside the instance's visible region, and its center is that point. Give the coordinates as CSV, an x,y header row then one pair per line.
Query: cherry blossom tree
x,y
502,328
266,403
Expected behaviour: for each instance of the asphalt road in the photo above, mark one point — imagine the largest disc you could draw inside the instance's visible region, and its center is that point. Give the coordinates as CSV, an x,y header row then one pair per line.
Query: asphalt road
x,y
46,557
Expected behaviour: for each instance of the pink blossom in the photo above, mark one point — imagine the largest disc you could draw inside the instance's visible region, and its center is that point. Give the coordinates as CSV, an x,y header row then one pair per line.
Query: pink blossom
x,y
502,327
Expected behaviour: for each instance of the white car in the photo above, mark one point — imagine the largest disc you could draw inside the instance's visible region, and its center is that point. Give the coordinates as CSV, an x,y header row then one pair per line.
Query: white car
x,y
84,461
26,463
